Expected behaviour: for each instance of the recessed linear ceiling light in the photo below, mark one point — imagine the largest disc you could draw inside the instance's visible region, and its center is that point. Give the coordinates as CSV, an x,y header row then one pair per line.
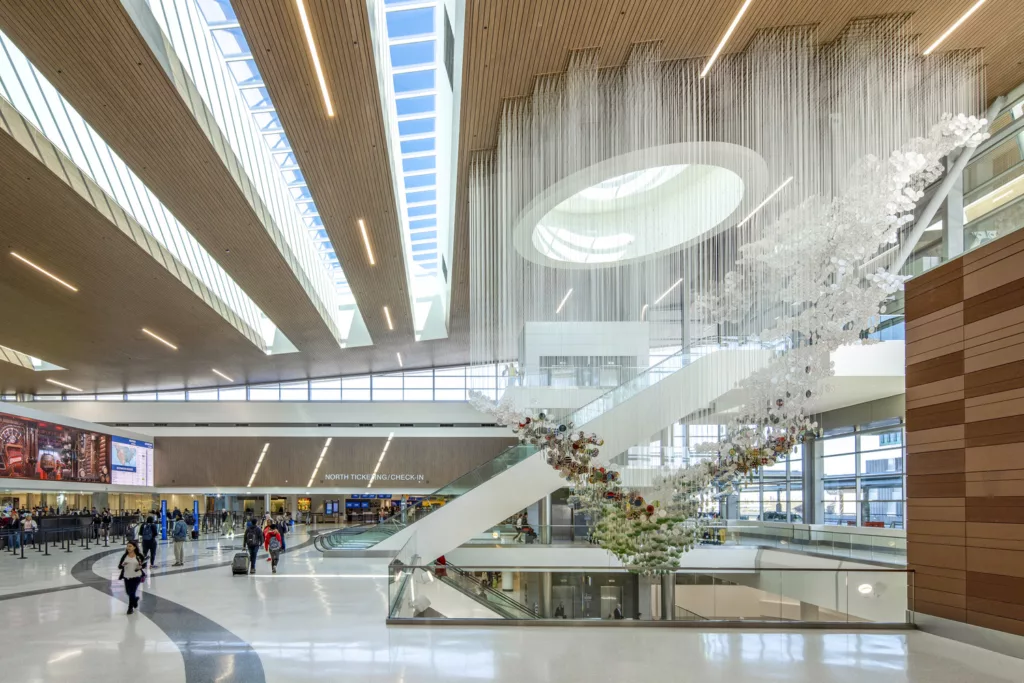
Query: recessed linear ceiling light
x,y
159,338
766,200
258,463
61,384
564,299
387,314
954,27
319,461
725,38
366,242
400,363
668,291
308,30
43,271
380,459
218,372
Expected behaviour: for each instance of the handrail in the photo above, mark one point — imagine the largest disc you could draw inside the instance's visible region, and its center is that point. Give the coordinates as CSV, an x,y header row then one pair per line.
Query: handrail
x,y
514,604
679,570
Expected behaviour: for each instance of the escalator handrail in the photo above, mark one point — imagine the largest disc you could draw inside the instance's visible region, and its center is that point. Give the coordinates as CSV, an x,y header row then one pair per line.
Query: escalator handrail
x,y
488,590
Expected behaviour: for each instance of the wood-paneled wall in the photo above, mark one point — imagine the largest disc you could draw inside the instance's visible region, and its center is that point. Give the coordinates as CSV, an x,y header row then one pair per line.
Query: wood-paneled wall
x,y
208,462
965,437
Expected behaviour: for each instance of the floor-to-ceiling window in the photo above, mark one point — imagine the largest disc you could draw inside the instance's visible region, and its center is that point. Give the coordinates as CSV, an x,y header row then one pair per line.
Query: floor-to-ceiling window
x,y
863,478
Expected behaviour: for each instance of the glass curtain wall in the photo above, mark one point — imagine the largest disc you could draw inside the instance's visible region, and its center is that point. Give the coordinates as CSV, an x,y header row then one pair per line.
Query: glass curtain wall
x,y
434,384
863,475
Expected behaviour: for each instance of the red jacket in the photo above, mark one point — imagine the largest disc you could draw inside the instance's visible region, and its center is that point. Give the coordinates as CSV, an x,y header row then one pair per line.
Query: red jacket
x,y
269,533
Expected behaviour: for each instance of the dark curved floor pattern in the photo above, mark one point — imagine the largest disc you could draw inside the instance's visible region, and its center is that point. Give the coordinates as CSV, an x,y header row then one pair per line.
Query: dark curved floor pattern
x,y
208,649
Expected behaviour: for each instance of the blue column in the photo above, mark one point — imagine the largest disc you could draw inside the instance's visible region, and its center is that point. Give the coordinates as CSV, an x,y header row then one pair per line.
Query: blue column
x,y
163,520
195,516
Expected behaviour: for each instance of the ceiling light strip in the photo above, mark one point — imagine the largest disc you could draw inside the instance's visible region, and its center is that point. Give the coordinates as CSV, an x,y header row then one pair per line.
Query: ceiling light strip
x,y
319,461
383,452
766,200
725,38
366,242
160,339
400,363
564,299
62,384
221,374
954,27
308,30
387,314
258,463
43,271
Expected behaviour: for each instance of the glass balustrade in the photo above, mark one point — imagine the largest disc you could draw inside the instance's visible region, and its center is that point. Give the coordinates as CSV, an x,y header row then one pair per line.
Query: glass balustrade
x,y
850,598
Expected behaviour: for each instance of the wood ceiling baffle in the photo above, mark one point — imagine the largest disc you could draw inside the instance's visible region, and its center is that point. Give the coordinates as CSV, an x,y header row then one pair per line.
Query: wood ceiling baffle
x,y
344,158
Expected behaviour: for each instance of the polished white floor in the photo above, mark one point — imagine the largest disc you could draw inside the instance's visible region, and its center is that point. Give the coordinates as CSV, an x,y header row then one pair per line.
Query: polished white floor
x,y
323,620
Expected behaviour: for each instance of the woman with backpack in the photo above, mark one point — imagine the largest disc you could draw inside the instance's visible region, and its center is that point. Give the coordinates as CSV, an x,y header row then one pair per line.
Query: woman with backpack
x,y
272,543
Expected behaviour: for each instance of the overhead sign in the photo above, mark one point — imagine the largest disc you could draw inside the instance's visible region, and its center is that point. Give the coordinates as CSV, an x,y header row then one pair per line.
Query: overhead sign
x,y
369,475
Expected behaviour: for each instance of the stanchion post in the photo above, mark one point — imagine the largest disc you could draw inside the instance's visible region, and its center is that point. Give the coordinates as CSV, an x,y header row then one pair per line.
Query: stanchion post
x,y
21,540
46,546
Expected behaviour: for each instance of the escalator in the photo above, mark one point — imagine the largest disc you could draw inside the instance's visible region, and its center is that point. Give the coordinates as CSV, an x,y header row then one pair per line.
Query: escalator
x,y
477,590
626,415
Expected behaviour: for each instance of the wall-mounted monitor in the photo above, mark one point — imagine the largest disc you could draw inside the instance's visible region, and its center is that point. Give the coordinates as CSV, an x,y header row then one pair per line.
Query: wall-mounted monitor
x,y
131,462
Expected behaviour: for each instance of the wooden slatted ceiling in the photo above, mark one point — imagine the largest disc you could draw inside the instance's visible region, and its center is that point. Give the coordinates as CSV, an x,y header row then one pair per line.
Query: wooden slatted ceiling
x,y
95,332
344,159
509,42
91,51
93,54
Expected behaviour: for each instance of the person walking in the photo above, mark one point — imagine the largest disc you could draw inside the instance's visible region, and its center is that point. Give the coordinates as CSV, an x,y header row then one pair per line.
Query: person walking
x,y
282,528
132,566
273,545
253,540
106,520
520,523
179,533
148,534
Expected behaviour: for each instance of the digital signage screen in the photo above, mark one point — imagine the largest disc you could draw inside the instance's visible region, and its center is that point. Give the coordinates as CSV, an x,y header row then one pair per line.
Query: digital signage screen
x,y
45,451
131,462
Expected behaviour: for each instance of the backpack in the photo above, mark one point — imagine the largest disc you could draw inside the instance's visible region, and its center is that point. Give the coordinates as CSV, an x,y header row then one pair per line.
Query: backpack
x,y
274,545
147,532
253,536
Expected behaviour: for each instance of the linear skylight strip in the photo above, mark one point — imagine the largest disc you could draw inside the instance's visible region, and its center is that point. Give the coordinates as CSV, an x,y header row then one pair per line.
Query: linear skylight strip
x,y
38,105
9,355
418,101
226,90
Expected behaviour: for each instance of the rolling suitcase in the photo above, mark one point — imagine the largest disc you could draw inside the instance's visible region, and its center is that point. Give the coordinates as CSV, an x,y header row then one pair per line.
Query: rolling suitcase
x,y
240,564
195,534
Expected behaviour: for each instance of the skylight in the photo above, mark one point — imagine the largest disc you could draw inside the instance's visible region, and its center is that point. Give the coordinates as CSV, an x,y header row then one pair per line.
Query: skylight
x,y
9,355
417,93
227,35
